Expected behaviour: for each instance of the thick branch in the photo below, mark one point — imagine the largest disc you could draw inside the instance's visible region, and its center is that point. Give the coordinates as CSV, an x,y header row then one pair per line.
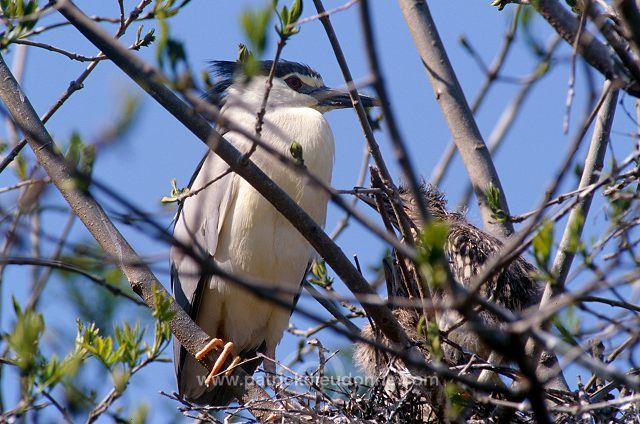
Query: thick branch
x,y
453,103
593,51
592,166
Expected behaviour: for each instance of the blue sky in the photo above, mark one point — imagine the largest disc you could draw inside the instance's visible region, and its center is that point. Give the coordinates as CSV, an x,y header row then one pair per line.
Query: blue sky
x,y
158,148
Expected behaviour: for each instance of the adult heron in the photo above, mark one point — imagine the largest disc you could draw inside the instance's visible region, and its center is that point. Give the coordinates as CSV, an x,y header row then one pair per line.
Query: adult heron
x,y
229,222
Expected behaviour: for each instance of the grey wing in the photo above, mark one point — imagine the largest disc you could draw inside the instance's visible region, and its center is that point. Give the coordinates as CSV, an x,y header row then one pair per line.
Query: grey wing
x,y
197,226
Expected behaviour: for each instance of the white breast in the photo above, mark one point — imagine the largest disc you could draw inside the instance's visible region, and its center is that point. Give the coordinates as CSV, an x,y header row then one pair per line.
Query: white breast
x,y
255,240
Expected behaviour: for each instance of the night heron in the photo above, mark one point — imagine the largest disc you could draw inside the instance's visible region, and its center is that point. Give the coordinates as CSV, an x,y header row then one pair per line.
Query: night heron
x,y
467,249
238,229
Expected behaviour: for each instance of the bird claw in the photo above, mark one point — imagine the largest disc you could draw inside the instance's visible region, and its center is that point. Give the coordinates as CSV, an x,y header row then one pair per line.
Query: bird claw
x,y
216,343
234,363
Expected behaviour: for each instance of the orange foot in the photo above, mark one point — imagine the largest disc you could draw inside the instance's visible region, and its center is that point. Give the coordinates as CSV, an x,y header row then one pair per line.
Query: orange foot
x,y
216,343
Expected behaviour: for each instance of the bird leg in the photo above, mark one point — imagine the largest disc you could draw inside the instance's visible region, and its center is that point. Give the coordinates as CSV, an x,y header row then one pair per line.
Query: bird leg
x,y
216,343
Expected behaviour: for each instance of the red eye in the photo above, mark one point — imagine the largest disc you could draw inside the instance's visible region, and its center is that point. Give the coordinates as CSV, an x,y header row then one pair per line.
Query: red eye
x,y
294,83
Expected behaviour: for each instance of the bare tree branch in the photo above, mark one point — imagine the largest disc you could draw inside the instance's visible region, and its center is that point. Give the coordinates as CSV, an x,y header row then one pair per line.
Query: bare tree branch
x,y
593,51
509,114
592,167
439,171
397,140
453,103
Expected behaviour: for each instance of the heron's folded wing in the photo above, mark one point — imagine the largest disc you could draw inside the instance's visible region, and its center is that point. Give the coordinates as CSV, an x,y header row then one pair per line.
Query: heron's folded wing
x,y
197,227
469,249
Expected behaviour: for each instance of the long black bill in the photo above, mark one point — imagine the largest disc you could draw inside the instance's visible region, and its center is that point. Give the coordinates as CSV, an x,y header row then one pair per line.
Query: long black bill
x,y
334,99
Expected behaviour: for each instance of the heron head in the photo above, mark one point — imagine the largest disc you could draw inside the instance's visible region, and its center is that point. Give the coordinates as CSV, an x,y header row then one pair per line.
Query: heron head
x,y
294,85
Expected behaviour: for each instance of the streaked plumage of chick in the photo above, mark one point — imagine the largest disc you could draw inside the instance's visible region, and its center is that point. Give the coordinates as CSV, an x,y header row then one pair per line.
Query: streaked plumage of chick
x,y
468,249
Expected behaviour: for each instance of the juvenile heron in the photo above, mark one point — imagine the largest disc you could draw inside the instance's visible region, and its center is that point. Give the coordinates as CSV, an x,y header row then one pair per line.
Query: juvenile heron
x,y
239,230
467,249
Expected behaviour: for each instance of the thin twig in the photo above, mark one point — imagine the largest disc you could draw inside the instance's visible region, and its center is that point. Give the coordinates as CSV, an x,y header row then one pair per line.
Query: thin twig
x,y
24,184
511,112
52,263
329,12
75,85
572,73
491,74
591,49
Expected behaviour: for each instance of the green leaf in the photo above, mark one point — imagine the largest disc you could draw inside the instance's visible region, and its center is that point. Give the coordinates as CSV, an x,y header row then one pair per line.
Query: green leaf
x,y
620,204
175,53
162,305
175,193
542,245
530,33
568,325
542,69
55,371
458,399
319,273
72,155
250,67
431,335
575,5
85,336
18,17
114,277
255,24
120,380
575,229
148,38
24,339
131,339
243,53
248,61
168,49
284,15
296,11
21,166
431,255
128,112
87,159
140,413
492,194
287,17
101,348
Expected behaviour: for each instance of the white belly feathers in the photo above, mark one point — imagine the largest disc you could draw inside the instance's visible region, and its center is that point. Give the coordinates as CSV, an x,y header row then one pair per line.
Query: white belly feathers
x,y
256,241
